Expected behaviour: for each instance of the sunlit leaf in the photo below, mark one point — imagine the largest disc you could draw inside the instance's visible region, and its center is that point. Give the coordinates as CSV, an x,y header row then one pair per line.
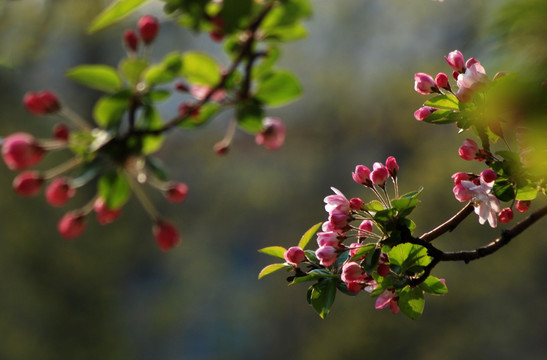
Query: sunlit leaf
x,y
308,235
445,102
323,295
411,302
433,285
109,109
114,188
276,251
200,68
99,77
115,12
271,269
278,88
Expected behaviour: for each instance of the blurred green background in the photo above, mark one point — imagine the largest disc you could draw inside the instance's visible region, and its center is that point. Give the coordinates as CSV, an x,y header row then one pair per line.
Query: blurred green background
x,y
111,294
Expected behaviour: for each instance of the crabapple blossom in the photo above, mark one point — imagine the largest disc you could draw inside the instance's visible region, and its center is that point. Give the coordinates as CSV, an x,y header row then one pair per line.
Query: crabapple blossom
x,y
61,132
487,205
361,175
488,176
166,235
148,28
59,191
71,225
199,92
272,136
424,112
28,183
505,215
523,205
337,204
356,203
131,40
392,167
456,61
352,271
327,255
383,269
441,80
105,215
177,192
328,238
41,103
469,150
21,150
424,84
366,225
459,176
379,174
294,255
473,79
388,298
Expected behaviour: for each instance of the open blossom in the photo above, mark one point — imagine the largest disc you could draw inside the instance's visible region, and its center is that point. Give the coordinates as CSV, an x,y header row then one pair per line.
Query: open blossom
x,y
273,135
487,205
388,298
473,79
424,84
337,204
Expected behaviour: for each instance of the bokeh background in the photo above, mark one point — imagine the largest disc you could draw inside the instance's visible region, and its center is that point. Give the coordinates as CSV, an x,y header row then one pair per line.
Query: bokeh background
x,y
111,294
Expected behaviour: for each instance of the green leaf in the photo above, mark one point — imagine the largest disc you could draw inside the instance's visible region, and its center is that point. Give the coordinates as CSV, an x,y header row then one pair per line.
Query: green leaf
x,y
157,168
287,33
88,172
313,275
115,12
276,251
109,109
305,239
200,68
206,113
441,117
99,77
132,69
411,302
151,120
433,285
272,268
159,95
264,67
503,190
413,194
323,295
444,102
374,206
407,255
385,215
249,116
362,251
404,206
114,188
528,192
234,13
164,72
278,88
310,255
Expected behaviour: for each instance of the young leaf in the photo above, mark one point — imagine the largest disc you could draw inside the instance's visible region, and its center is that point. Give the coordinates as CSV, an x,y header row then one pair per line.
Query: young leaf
x,y
99,77
114,188
109,109
115,12
441,117
151,120
278,88
249,116
404,206
362,251
503,190
200,68
272,268
528,192
411,302
444,102
433,285
308,235
374,206
323,295
206,113
132,68
314,274
276,251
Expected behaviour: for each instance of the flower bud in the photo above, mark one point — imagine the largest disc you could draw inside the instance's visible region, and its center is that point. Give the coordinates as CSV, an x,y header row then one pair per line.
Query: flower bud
x,y
392,167
488,176
351,271
456,61
131,40
424,84
327,255
460,176
273,135
177,192
469,149
28,183
424,112
356,203
461,193
523,205
217,34
379,175
105,215
61,132
355,286
148,28
383,270
59,192
328,238
166,235
41,103
505,215
361,175
366,225
21,150
71,225
441,80
295,255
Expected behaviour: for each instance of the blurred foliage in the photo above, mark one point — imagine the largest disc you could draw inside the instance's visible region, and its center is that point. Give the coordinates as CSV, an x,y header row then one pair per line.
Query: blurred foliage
x,y
112,295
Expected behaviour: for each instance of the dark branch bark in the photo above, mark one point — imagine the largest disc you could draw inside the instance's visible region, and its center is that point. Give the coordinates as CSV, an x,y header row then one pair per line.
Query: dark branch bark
x,y
449,225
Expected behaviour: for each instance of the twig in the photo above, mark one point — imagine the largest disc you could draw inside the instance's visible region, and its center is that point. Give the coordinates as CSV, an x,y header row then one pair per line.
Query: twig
x,y
448,225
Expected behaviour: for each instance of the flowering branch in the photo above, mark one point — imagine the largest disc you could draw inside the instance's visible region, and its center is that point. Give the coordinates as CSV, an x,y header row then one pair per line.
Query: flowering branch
x,y
449,225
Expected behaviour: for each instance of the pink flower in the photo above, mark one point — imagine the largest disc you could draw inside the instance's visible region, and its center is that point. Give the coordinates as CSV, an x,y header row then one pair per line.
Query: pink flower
x,y
456,61
441,80
199,92
41,103
469,150
328,238
166,235
379,174
361,175
523,205
459,176
424,84
337,204
338,222
366,225
356,203
28,183
388,298
392,167
488,176
177,192
105,215
506,215
20,150
71,225
352,271
295,255
465,95
424,112
327,255
473,78
148,28
273,135
59,192
487,205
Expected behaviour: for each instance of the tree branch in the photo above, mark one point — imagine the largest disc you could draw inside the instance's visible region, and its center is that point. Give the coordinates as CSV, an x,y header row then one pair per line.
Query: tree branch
x,y
448,225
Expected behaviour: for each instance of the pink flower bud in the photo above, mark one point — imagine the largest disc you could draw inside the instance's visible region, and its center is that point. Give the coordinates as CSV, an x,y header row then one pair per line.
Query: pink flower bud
x,y
61,132
356,203
523,205
441,80
392,167
488,176
199,92
105,215
338,221
355,286
379,175
361,175
459,176
188,110
424,84
352,271
71,225
148,28
166,235
383,270
59,192
28,183
328,238
131,40
337,204
295,255
461,193
273,135
470,62
21,150
327,255
354,247
424,112
505,215
41,103
366,225
177,192
469,150
456,61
